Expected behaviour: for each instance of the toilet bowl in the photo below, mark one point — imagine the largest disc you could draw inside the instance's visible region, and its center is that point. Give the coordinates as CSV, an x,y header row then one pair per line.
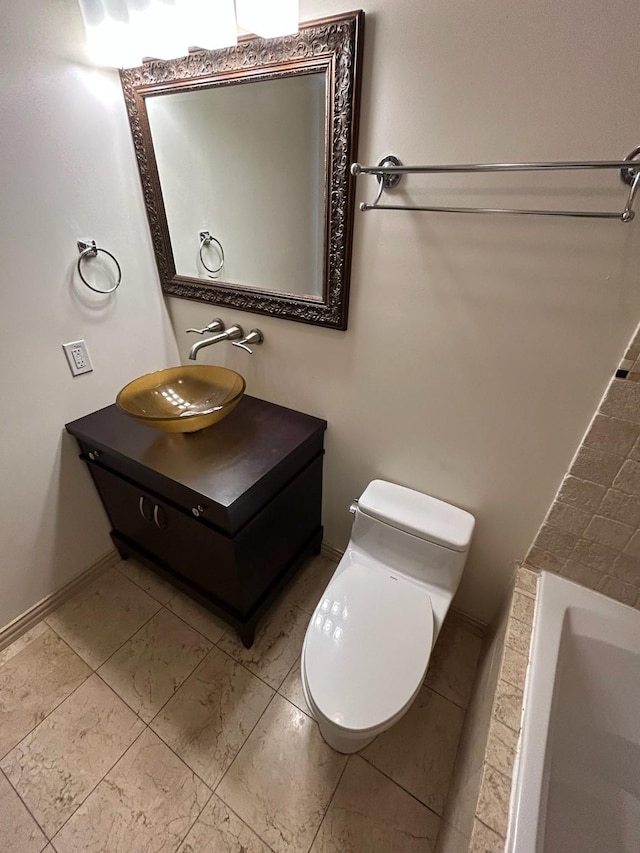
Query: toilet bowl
x,y
368,643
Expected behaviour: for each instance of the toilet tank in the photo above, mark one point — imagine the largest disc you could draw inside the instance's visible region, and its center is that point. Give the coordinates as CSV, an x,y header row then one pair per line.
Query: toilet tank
x,y
413,533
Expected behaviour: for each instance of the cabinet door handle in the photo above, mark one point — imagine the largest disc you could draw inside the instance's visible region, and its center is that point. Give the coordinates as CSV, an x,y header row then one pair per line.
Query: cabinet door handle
x,y
162,524
141,508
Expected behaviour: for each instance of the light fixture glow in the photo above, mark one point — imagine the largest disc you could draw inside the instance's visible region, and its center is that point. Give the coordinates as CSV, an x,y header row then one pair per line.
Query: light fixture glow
x,y
209,24
160,30
277,18
121,33
109,36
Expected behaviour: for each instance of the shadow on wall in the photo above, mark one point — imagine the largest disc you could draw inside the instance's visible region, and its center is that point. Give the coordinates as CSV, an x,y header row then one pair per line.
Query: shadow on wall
x,y
73,519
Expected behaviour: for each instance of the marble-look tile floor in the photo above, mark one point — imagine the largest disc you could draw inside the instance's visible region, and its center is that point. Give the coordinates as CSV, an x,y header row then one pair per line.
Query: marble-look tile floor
x,y
133,720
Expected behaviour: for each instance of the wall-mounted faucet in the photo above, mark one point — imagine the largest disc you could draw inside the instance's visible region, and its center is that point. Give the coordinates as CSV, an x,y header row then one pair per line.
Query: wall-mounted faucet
x,y
216,325
232,333
255,336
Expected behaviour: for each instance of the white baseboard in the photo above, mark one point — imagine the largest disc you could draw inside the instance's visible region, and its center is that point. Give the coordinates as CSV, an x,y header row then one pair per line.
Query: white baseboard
x,y
22,624
330,552
475,626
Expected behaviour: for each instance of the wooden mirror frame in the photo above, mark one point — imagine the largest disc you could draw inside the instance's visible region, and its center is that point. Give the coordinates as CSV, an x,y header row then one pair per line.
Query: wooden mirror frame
x,y
333,45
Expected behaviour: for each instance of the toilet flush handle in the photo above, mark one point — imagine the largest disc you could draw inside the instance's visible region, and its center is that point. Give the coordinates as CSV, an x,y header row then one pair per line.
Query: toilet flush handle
x,y
353,507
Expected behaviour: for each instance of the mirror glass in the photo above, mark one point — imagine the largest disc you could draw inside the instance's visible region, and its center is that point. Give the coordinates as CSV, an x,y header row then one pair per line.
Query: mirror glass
x,y
244,157
245,163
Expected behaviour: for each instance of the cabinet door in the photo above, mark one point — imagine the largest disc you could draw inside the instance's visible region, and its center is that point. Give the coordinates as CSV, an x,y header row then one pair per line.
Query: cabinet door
x,y
175,540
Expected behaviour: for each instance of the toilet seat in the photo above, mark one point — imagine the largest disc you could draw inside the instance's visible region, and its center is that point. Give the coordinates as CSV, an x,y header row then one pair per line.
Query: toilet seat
x,y
367,647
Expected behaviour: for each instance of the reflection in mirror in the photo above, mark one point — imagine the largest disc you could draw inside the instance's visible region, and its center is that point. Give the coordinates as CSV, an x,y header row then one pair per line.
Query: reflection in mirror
x,y
244,158
255,155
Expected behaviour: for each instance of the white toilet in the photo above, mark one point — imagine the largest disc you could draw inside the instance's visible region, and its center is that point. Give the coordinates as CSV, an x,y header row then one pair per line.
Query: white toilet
x,y
368,643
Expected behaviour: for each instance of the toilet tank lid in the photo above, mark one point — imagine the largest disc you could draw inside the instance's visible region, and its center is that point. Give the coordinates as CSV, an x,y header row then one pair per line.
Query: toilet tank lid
x,y
418,514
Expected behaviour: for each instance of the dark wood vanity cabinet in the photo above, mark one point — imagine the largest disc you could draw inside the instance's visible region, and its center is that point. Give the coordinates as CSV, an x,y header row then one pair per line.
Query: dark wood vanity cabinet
x,y
227,514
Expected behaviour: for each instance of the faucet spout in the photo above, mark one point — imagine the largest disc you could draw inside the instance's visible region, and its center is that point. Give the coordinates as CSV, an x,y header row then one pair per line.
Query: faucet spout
x,y
231,334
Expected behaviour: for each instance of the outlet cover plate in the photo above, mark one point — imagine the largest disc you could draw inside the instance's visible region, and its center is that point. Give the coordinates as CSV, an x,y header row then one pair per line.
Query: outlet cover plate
x,y
78,357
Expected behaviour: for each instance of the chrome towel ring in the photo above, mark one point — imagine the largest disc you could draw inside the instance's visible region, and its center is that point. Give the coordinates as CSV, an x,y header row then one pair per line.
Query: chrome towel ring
x,y
88,249
205,240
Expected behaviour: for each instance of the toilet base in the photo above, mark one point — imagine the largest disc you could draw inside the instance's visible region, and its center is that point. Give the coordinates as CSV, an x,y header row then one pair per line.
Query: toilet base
x,y
341,743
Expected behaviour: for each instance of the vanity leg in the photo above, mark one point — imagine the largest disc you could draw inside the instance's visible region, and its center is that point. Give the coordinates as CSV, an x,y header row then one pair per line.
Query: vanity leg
x,y
122,552
247,634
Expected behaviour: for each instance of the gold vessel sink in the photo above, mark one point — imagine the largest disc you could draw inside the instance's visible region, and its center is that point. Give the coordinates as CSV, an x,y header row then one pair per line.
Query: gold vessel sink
x,y
182,399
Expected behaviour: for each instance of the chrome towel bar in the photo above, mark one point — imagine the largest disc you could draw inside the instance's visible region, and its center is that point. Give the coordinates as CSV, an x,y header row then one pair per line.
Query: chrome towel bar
x,y
390,170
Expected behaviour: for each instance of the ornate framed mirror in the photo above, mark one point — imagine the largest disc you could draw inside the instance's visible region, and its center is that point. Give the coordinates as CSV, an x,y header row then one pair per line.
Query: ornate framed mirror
x,y
244,157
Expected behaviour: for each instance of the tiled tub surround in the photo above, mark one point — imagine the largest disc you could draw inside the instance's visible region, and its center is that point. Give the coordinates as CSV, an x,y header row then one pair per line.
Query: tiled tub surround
x,y
477,808
131,719
591,533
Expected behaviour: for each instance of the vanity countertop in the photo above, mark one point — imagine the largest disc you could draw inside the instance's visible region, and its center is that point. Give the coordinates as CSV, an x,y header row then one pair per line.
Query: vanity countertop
x,y
233,465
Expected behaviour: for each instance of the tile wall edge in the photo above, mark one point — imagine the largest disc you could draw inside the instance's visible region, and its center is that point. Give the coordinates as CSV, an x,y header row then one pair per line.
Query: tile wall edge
x,y
488,827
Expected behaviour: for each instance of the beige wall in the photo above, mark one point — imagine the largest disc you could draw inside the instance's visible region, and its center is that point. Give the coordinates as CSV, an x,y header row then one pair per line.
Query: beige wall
x,y
477,348
67,171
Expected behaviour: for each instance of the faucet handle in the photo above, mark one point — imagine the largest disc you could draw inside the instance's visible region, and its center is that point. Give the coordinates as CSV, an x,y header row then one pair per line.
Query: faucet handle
x,y
216,325
255,336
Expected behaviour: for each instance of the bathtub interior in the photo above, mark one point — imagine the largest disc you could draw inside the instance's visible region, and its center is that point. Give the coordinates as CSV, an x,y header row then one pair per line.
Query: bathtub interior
x,y
577,779
592,768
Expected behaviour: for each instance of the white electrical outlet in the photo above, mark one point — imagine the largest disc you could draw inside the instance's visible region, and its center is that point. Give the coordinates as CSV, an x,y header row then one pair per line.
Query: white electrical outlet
x,y
78,357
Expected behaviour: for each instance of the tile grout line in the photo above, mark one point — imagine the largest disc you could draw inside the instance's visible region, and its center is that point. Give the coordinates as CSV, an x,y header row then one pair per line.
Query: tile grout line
x,y
38,724
182,761
227,806
197,666
184,837
406,790
333,793
64,699
228,629
213,794
296,663
17,793
215,791
102,779
95,669
490,828
49,838
168,746
443,696
230,632
179,687
124,575
276,689
221,780
210,787
120,698
188,624
137,631
246,668
137,713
